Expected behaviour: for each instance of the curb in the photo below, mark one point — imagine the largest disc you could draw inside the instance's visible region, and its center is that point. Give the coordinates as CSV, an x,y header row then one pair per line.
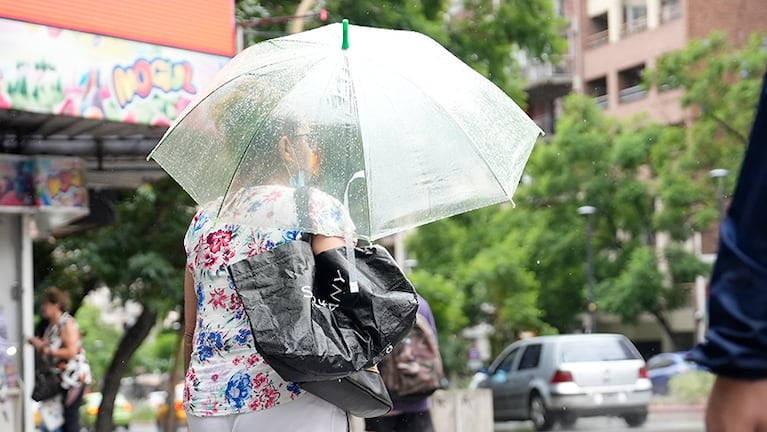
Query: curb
x,y
672,407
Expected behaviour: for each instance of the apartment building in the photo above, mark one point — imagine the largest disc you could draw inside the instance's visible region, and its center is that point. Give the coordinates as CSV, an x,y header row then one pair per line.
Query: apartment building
x,y
612,42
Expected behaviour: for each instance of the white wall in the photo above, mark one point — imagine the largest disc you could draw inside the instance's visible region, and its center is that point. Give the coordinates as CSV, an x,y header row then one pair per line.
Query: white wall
x,y
16,304
10,278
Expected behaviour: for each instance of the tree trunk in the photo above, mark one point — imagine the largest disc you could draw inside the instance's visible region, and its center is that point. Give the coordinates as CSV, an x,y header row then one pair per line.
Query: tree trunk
x,y
297,25
131,341
666,326
169,422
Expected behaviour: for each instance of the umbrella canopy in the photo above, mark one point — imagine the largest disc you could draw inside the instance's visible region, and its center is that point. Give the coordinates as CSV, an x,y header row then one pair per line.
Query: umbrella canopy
x,y
427,136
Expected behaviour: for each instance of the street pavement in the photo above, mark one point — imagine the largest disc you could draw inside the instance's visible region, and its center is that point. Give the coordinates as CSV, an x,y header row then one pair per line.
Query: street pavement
x,y
669,418
662,418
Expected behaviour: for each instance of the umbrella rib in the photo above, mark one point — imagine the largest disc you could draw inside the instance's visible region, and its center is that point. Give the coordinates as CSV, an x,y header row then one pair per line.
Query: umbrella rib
x,y
440,106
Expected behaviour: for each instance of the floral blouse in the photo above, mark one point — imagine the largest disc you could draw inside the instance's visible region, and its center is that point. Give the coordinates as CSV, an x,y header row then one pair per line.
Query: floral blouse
x,y
226,374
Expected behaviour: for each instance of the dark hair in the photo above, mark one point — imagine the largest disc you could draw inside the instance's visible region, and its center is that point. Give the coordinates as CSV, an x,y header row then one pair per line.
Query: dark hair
x,y
55,296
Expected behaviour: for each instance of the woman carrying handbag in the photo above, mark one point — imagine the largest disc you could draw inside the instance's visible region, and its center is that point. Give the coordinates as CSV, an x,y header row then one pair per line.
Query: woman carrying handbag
x,y
60,348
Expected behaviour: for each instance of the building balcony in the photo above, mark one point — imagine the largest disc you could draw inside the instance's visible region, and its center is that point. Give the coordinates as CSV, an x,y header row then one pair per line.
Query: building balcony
x,y
670,11
631,94
597,38
549,81
634,26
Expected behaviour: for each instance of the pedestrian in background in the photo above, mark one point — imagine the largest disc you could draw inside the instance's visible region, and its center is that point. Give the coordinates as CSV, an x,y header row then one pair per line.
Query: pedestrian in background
x,y
62,342
736,341
412,372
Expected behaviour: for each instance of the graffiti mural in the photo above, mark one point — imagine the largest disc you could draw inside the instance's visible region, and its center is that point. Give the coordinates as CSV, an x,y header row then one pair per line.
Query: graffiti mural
x,y
57,71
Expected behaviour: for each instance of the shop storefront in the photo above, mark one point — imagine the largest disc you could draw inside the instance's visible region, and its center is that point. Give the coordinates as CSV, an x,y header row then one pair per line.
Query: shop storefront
x,y
86,90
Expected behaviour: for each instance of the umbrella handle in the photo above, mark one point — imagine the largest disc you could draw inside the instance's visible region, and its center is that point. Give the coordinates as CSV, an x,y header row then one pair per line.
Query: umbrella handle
x,y
353,284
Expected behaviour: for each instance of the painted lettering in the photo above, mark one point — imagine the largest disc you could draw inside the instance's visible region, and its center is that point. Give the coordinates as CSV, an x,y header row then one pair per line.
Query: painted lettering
x,y
144,76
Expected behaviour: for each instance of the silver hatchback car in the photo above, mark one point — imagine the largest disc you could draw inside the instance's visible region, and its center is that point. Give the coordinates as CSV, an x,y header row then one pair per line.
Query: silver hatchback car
x,y
550,379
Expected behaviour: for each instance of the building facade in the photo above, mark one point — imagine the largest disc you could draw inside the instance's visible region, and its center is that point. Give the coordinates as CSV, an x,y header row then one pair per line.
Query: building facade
x,y
611,43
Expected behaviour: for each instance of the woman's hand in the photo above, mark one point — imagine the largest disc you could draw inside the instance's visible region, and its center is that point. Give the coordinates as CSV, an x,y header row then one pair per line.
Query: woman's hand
x,y
37,342
321,243
41,345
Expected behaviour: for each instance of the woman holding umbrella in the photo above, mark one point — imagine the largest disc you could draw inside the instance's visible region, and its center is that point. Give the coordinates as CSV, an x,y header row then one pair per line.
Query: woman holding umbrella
x,y
228,386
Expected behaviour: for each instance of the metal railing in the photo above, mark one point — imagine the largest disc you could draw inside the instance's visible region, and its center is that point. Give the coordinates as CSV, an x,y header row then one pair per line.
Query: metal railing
x,y
670,12
597,38
634,26
601,101
541,71
631,94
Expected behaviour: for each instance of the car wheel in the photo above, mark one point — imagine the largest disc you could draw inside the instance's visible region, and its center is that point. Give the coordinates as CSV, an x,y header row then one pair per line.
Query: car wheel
x,y
539,414
567,421
635,419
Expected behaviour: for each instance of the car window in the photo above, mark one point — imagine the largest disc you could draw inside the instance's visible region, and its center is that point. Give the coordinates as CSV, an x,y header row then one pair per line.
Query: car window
x,y
597,350
530,357
659,363
505,364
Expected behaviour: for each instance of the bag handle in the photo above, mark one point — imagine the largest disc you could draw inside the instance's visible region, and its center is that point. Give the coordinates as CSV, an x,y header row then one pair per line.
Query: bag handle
x,y
301,198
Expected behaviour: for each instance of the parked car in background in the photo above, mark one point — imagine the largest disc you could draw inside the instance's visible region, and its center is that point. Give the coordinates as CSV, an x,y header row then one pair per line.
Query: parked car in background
x,y
550,379
178,408
122,413
662,367
157,398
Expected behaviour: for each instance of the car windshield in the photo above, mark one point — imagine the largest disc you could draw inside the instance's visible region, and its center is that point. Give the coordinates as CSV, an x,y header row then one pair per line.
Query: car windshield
x,y
602,350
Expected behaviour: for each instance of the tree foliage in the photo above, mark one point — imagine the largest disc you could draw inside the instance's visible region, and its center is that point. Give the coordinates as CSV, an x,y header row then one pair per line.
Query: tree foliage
x,y
99,341
720,84
646,180
485,34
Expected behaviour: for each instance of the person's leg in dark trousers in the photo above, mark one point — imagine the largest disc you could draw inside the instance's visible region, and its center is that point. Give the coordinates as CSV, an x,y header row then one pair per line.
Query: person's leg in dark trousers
x,y
415,422
381,424
405,422
72,404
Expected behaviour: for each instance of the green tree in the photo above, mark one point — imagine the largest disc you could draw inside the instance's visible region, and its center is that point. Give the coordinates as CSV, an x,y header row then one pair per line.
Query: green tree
x,y
99,341
485,34
645,179
140,258
720,84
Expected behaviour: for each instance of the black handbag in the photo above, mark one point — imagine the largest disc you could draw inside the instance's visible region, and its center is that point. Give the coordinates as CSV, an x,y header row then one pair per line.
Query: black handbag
x,y
312,330
47,381
305,322
361,393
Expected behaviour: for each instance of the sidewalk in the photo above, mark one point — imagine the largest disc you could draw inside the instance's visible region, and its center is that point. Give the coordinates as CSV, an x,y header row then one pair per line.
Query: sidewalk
x,y
667,405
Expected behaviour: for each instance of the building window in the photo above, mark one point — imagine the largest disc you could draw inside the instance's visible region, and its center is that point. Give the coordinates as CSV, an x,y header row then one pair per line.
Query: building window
x,y
598,31
630,84
670,10
634,19
597,88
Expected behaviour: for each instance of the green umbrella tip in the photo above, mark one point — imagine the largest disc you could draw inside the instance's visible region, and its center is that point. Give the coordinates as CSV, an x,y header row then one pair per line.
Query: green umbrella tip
x,y
345,42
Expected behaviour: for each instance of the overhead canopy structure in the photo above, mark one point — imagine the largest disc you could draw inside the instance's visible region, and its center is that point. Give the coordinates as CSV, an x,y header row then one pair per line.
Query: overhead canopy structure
x,y
114,152
103,80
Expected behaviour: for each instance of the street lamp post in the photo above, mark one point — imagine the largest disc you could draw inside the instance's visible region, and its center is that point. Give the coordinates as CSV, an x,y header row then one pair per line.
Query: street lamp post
x,y
701,297
719,174
587,211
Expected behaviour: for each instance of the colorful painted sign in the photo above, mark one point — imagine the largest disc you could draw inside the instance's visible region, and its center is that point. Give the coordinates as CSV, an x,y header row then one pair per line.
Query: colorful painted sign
x,y
54,188
50,70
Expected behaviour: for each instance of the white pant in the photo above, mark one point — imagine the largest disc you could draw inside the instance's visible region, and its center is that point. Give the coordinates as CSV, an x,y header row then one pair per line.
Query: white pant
x,y
307,414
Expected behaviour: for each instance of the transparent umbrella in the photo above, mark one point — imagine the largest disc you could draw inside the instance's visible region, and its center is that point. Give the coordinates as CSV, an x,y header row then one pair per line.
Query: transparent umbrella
x,y
402,131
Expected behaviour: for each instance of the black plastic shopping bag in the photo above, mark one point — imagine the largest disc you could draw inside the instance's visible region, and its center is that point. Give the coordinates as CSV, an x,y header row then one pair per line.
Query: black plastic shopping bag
x,y
307,325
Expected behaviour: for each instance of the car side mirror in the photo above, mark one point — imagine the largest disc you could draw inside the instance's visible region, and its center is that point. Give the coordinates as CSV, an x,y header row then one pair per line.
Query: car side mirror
x,y
499,376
